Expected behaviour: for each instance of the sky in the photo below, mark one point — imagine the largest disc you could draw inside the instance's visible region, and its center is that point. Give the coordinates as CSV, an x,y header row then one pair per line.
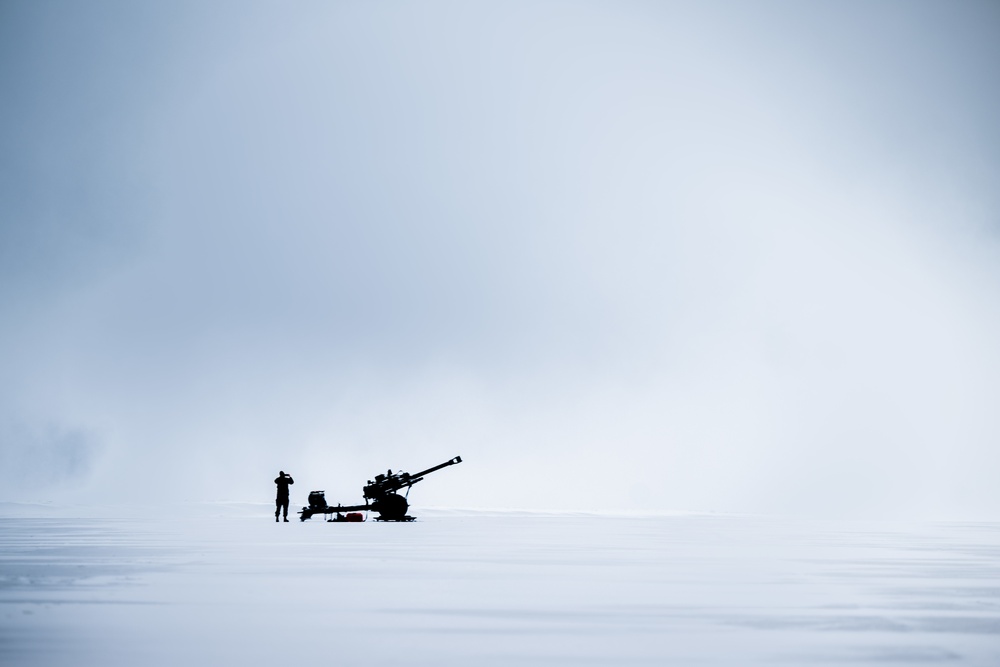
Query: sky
x,y
619,256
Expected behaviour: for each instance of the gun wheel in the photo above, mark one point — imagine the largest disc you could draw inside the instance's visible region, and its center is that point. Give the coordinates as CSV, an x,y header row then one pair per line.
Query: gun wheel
x,y
391,507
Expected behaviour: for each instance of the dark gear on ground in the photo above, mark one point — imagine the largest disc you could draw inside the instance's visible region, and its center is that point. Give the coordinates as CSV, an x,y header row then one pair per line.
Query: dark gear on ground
x,y
281,501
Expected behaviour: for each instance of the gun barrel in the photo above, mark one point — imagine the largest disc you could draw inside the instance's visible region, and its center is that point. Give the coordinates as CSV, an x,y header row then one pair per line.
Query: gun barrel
x,y
450,462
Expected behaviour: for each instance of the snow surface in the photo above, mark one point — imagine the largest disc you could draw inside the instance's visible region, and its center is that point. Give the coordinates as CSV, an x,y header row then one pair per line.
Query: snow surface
x,y
228,586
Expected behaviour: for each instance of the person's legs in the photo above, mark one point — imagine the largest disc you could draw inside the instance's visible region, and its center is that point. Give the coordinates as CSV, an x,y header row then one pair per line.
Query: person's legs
x,y
284,506
277,510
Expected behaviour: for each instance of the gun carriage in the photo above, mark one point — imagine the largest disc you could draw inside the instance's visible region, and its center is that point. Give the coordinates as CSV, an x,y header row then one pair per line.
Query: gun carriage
x,y
382,496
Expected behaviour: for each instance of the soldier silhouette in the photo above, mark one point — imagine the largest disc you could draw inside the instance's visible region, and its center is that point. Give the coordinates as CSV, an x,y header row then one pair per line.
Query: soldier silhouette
x,y
281,502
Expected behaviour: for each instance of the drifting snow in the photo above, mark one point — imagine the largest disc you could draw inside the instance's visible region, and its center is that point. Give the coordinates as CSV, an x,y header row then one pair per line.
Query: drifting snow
x,y
230,586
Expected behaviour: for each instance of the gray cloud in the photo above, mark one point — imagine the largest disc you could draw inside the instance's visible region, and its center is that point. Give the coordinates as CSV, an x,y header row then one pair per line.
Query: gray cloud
x,y
643,256
43,458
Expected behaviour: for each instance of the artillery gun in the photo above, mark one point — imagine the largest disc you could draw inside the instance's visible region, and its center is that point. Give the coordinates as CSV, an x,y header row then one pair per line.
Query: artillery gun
x,y
381,496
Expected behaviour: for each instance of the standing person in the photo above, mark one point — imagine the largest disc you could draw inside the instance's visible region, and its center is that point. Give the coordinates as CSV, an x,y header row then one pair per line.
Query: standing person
x,y
281,502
